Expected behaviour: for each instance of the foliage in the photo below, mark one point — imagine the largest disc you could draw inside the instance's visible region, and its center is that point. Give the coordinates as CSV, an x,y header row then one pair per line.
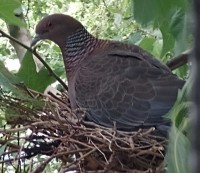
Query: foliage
x,y
179,143
158,26
170,17
178,151
34,80
7,9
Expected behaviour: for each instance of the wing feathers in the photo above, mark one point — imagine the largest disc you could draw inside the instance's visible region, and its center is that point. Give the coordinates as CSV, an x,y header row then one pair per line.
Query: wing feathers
x,y
128,87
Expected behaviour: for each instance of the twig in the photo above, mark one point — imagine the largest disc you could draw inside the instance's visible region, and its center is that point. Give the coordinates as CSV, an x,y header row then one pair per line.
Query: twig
x,y
100,151
110,162
33,51
49,69
43,165
6,142
179,60
82,157
14,130
80,143
27,11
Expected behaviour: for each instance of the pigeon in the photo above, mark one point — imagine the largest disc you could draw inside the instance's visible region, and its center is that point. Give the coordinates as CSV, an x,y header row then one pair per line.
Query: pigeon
x,y
117,84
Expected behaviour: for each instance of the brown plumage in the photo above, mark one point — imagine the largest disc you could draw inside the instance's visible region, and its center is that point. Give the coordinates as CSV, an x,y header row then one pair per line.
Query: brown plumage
x,y
113,81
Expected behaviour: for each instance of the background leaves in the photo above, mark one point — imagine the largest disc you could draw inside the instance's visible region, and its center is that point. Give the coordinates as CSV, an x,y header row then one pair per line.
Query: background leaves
x,y
170,17
8,9
31,78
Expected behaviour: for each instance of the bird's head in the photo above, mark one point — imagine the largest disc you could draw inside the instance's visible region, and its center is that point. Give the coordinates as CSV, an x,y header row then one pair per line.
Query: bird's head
x,y
56,27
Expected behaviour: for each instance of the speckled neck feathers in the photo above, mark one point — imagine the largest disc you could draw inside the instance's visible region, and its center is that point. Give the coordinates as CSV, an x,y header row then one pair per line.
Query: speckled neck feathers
x,y
77,47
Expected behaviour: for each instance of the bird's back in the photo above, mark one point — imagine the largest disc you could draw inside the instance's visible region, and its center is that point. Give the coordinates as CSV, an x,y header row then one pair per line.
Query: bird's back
x,y
122,83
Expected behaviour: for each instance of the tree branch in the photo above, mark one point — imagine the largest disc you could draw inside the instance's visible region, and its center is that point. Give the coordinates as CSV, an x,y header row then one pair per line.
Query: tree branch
x,y
179,60
33,51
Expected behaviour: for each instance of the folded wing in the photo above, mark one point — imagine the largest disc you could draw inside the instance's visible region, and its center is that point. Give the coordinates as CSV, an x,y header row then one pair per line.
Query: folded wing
x,y
126,86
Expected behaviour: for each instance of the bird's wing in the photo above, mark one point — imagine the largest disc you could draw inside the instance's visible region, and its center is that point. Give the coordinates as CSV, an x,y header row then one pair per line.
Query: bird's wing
x,y
122,86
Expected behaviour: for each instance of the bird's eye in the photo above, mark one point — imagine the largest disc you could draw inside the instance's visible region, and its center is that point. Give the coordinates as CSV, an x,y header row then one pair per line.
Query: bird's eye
x,y
49,24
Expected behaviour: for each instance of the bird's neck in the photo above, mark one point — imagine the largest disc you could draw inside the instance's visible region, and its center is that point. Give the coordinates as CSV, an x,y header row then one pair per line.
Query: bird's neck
x,y
78,47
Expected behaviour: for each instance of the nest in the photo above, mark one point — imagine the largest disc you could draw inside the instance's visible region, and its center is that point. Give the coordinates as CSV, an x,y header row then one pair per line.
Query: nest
x,y
79,145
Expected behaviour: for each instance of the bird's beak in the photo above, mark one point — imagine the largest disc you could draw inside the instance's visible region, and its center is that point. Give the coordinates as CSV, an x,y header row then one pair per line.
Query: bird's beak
x,y
35,40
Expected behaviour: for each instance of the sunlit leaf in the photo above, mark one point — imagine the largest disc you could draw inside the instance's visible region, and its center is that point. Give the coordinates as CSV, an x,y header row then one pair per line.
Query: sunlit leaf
x,y
168,41
7,8
7,79
33,79
147,43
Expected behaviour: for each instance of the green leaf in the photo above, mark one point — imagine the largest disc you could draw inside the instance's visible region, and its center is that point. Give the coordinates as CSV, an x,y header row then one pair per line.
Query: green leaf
x,y
168,41
155,11
7,79
157,48
176,22
2,149
168,16
7,8
11,82
177,152
33,79
59,3
180,110
182,71
145,11
147,43
179,29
